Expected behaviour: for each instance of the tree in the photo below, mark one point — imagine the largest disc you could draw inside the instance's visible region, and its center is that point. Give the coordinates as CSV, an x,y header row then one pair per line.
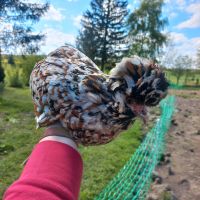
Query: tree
x,y
187,62
198,58
146,25
167,58
182,63
87,42
103,30
26,64
16,18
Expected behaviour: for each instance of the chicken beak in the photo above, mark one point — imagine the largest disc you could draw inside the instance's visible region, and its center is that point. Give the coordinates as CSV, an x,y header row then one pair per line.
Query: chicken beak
x,y
140,111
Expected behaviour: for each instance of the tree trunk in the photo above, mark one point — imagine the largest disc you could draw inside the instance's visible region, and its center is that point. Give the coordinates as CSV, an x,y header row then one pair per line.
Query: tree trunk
x,y
102,64
177,80
186,78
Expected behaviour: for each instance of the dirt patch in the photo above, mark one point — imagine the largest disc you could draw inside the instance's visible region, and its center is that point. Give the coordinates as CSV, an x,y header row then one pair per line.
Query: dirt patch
x,y
179,170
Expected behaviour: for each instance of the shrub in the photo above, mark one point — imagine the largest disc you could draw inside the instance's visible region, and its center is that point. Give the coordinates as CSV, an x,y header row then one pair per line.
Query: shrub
x,y
14,76
27,63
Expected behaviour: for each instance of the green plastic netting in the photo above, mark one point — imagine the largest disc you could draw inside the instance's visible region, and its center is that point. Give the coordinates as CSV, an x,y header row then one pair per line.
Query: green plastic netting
x,y
134,179
175,86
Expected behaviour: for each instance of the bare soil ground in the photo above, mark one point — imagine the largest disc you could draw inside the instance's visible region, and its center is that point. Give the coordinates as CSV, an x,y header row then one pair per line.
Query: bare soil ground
x,y
177,177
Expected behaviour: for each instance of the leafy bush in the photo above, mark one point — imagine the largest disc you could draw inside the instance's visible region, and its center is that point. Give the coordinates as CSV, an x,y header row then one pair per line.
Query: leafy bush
x,y
27,63
14,76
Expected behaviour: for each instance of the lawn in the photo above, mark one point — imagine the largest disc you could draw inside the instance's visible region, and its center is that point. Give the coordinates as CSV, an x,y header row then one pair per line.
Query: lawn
x,y
18,136
193,78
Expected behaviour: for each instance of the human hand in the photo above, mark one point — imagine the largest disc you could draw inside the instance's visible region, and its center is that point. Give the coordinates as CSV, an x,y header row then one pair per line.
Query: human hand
x,y
56,132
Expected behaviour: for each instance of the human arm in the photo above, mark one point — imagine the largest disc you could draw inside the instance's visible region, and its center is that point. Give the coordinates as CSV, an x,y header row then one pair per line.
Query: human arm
x,y
53,171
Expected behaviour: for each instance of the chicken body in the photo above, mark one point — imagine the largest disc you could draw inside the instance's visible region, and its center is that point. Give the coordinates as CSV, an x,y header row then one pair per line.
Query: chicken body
x,y
94,108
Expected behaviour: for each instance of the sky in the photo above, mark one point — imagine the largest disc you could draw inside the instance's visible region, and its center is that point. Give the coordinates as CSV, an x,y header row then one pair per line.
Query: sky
x,y
62,22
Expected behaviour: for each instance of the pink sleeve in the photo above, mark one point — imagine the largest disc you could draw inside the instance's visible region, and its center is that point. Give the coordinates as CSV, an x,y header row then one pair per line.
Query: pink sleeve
x,y
53,172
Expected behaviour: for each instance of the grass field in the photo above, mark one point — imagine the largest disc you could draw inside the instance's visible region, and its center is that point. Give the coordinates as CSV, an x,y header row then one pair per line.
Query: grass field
x,y
18,136
193,78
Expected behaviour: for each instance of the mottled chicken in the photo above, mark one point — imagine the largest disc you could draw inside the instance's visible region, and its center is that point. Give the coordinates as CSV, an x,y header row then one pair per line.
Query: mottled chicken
x,y
92,106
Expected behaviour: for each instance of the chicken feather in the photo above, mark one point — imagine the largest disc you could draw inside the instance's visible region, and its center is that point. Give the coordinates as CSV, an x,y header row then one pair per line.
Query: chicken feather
x,y
94,107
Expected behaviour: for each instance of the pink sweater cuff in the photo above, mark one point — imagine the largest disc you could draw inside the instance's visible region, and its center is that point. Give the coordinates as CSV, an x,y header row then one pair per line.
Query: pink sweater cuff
x,y
53,172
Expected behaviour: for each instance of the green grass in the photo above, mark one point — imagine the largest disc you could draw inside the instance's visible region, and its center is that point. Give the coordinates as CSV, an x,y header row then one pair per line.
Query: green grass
x,y
17,133
18,136
103,162
192,78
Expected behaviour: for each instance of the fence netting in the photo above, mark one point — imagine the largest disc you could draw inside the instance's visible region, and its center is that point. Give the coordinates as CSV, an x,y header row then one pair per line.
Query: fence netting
x,y
133,180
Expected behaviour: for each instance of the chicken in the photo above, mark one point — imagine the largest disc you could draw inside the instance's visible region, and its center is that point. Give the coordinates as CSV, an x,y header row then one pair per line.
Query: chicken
x,y
67,87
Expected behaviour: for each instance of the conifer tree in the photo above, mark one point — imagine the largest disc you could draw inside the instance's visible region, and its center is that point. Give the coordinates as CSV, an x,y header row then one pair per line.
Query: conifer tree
x,y
104,30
